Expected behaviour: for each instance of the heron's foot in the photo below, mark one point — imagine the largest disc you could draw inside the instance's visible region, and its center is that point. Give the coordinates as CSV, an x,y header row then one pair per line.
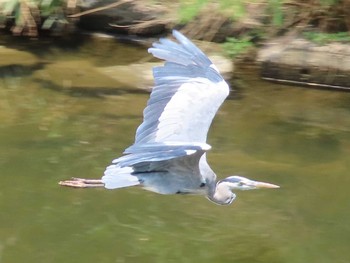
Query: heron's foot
x,y
82,183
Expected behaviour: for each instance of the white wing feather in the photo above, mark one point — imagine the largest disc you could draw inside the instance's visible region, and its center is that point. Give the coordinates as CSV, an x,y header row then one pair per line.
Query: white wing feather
x,y
187,94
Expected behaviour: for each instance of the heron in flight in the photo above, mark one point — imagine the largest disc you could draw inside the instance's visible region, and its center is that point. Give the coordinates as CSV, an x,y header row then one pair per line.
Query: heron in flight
x,y
169,153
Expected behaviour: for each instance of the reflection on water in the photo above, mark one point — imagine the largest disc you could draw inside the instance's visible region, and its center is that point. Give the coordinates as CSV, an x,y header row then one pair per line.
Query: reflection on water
x,y
295,137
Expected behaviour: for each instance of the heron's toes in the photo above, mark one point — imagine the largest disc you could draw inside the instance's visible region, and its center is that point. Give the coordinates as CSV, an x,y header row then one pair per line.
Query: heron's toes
x,y
73,183
82,183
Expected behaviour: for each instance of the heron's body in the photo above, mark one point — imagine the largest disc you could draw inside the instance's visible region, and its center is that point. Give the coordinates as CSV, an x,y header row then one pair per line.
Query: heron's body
x,y
189,174
169,153
180,176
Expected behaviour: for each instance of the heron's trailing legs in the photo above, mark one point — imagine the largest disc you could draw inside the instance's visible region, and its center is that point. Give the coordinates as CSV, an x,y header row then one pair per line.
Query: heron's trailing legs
x,y
82,183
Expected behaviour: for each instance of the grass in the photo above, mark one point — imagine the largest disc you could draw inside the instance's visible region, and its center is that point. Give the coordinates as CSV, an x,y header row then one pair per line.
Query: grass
x,y
324,38
235,46
189,9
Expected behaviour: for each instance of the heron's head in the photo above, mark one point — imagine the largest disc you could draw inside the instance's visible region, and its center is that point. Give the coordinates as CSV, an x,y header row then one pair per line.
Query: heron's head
x,y
241,183
223,194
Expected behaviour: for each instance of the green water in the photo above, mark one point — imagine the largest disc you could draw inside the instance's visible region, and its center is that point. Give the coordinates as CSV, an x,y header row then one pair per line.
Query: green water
x,y
57,122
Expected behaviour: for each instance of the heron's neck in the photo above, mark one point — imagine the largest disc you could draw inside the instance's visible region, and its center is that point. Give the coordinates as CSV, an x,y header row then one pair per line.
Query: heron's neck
x,y
221,194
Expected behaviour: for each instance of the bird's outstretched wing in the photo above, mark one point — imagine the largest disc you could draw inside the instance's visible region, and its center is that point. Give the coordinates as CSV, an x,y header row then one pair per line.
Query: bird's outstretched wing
x,y
187,94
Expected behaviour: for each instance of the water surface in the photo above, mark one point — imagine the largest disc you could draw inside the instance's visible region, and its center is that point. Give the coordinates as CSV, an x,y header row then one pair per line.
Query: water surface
x,y
60,118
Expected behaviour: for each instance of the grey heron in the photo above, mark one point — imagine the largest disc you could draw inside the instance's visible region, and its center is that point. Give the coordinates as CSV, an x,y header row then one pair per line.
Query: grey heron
x,y
169,153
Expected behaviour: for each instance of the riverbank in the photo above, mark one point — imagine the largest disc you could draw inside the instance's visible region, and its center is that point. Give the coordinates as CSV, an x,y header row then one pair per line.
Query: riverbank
x,y
248,32
204,20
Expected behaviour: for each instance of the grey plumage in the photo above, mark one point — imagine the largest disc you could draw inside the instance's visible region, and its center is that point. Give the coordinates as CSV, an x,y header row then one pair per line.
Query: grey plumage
x,y
169,153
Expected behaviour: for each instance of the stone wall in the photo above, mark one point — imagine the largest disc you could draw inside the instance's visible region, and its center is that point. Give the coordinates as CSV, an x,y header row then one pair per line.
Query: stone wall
x,y
302,62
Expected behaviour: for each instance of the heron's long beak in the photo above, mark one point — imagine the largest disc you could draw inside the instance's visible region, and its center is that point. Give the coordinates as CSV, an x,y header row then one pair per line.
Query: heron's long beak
x,y
265,185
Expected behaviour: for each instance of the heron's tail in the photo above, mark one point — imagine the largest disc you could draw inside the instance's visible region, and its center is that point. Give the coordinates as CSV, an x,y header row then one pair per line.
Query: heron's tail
x,y
118,177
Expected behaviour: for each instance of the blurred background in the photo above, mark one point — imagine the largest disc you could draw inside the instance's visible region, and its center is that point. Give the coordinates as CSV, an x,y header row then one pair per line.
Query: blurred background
x,y
75,77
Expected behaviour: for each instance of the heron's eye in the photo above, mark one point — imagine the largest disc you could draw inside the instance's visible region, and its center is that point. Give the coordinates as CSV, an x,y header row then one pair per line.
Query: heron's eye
x,y
240,184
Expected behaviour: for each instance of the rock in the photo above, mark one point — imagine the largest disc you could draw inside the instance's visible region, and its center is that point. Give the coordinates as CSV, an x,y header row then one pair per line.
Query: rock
x,y
10,57
139,75
302,62
79,77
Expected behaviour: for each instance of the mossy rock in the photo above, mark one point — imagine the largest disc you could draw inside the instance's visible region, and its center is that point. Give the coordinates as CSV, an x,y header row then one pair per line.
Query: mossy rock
x,y
12,57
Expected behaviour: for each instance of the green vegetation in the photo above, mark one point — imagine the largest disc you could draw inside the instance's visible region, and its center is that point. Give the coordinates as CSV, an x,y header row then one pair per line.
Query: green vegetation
x,y
189,9
276,10
234,46
323,38
26,17
328,15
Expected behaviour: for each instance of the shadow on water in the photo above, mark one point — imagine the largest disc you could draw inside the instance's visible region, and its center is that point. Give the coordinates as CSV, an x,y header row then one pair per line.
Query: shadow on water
x,y
97,92
17,70
54,125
